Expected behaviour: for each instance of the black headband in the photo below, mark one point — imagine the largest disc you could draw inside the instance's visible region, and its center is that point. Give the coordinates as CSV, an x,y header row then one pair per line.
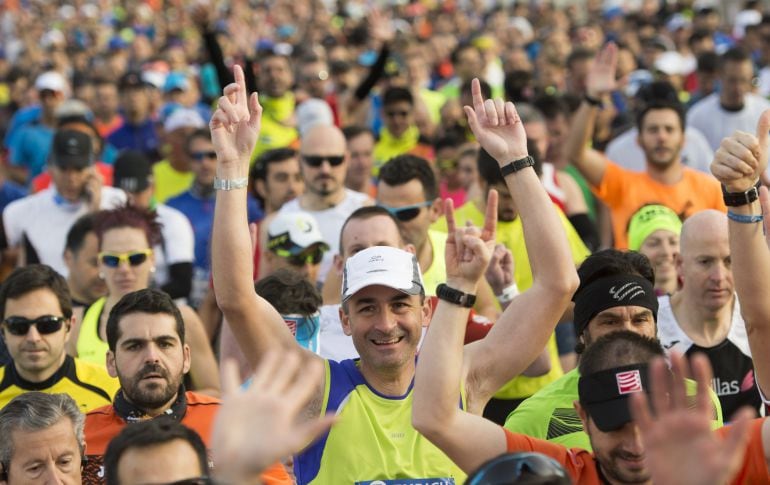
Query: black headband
x,y
611,292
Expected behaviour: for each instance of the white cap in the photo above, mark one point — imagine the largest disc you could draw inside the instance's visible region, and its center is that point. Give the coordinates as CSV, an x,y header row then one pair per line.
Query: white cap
x,y
743,19
294,232
671,63
183,118
313,112
52,81
382,265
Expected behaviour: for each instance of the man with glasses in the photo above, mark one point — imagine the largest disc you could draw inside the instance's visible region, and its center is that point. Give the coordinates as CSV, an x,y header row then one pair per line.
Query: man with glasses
x,y
400,133
295,242
37,316
174,253
324,163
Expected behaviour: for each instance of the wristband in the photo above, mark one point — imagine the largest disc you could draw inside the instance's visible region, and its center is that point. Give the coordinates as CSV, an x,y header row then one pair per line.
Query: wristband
x,y
230,184
508,293
452,295
593,101
744,219
736,199
517,165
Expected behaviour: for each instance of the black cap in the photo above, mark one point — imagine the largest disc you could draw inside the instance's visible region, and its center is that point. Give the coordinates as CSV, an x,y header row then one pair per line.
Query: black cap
x,y
132,171
71,149
131,79
605,394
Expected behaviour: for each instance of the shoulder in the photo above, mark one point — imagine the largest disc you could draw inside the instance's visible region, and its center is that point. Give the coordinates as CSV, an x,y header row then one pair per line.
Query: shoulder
x,y
26,202
706,104
112,197
196,399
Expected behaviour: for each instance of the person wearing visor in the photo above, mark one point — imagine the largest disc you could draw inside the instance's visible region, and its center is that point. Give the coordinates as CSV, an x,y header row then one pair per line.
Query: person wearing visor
x,y
36,309
654,231
294,241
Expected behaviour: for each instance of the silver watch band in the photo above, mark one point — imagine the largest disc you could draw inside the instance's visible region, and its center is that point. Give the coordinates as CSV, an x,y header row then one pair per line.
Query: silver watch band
x,y
230,184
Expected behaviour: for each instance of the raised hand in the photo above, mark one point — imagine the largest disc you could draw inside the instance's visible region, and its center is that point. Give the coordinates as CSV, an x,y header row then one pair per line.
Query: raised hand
x,y
499,273
497,127
236,122
468,249
261,425
741,158
678,438
601,75
380,26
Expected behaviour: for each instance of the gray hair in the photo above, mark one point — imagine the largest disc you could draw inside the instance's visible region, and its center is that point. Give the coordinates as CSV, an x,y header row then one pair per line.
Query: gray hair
x,y
35,411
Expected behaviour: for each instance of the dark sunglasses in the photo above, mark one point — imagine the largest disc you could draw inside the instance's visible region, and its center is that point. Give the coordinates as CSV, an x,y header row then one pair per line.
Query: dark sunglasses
x,y
133,258
318,160
312,257
200,156
44,325
510,468
393,114
407,212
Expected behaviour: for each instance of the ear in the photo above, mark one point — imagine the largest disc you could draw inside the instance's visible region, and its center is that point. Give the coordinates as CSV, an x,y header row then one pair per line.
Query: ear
x,y
436,210
345,321
338,264
187,361
68,332
427,311
678,263
112,369
68,258
582,414
409,248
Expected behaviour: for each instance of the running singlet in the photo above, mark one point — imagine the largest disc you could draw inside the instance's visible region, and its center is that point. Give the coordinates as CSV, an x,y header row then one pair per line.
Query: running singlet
x,y
90,347
374,441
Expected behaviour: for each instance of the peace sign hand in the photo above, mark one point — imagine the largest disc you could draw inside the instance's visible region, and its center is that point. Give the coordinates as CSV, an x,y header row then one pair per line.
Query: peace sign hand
x,y
469,249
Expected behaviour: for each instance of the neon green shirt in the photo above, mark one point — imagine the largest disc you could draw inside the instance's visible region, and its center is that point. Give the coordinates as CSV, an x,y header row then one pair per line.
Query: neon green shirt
x,y
389,146
170,182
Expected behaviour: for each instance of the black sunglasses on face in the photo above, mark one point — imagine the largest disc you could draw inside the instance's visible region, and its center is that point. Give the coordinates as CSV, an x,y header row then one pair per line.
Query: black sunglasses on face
x,y
200,156
318,160
45,325
407,212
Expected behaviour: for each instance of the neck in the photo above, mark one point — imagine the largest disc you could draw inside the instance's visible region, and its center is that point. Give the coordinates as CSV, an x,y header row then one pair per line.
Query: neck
x,y
364,186
667,175
201,190
155,412
390,382
41,375
706,327
77,295
317,202
425,254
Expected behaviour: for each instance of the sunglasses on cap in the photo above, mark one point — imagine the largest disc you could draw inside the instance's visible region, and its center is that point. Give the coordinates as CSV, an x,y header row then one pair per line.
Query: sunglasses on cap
x,y
46,324
200,156
133,258
407,212
318,160
308,257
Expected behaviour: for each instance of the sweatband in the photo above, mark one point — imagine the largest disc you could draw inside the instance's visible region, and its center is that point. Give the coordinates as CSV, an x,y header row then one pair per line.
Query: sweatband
x,y
610,292
649,219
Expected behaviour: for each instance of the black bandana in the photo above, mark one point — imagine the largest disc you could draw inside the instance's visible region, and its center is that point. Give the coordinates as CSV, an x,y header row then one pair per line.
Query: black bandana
x,y
132,414
611,292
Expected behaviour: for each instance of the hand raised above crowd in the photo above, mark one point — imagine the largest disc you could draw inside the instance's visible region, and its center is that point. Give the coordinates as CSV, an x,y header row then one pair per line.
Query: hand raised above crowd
x,y
741,159
469,248
601,74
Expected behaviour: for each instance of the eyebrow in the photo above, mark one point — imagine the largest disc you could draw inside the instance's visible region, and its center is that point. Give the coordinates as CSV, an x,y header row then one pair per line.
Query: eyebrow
x,y
160,338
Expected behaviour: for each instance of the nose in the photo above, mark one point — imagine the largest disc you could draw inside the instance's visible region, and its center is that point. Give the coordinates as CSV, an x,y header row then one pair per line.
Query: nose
x,y
386,321
632,441
151,353
33,334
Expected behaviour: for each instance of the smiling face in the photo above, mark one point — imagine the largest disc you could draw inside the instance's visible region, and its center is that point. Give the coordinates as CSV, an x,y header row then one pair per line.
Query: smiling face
x,y
385,325
662,248
125,278
149,360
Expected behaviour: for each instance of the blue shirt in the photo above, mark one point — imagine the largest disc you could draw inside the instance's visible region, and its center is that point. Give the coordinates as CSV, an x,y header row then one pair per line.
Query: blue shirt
x,y
142,137
23,117
30,147
9,192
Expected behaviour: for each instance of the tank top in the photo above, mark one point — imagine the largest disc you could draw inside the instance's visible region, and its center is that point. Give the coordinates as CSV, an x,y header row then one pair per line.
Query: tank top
x,y
90,347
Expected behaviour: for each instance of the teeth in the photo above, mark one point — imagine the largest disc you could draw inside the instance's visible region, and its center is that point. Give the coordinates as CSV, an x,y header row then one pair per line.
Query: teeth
x,y
386,342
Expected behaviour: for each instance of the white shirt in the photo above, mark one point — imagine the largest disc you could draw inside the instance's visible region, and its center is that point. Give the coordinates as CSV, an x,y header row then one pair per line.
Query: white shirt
x,y
626,152
178,242
716,123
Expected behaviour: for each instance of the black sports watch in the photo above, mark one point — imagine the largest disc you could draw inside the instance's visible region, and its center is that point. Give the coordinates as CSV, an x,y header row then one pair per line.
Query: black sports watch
x,y
517,165
737,199
447,293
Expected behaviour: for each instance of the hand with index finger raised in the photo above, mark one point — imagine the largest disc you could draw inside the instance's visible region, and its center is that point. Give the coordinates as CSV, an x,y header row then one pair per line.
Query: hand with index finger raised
x,y
236,122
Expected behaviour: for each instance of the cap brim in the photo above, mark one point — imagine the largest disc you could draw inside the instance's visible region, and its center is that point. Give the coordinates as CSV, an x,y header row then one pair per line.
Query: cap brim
x,y
71,162
610,415
381,280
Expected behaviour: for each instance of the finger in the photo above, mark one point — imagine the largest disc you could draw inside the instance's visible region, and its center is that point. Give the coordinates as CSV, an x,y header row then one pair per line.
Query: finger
x,y
500,110
511,114
763,126
449,212
284,376
640,411
742,146
678,389
478,100
660,384
218,119
473,121
314,428
489,233
303,384
255,112
491,112
263,375
240,80
723,170
611,53
229,110
231,378
702,374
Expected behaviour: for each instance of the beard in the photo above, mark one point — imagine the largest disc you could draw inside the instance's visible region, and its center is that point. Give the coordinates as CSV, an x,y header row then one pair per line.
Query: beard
x,y
150,394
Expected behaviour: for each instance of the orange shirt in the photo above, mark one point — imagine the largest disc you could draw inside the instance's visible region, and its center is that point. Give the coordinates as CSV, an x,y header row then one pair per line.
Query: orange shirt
x,y
103,424
625,192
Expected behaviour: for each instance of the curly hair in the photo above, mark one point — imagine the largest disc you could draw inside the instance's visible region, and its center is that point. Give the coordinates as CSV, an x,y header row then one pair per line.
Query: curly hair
x,y
128,216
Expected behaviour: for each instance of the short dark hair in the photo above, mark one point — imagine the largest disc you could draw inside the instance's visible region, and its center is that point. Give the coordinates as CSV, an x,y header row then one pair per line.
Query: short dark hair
x,y
579,54
708,62
76,236
450,139
612,262
489,169
397,94
354,131
259,170
617,349
367,212
289,292
128,216
36,277
660,105
148,433
404,168
454,57
148,300
734,54
203,133
552,105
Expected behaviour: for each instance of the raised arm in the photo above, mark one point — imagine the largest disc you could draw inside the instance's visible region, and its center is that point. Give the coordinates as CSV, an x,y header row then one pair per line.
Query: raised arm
x,y
738,164
600,81
234,130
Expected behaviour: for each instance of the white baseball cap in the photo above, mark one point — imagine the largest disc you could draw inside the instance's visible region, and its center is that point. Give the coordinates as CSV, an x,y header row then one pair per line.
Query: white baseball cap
x,y
52,81
294,232
382,265
183,118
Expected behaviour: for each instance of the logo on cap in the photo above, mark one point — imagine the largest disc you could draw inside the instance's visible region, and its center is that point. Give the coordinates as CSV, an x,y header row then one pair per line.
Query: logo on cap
x,y
628,291
629,381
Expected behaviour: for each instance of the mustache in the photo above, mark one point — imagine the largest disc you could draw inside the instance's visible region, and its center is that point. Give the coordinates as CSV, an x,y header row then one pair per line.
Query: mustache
x,y
150,369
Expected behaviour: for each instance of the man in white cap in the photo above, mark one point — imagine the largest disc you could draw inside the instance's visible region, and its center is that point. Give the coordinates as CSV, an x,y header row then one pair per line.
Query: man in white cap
x,y
384,308
294,241
173,175
30,144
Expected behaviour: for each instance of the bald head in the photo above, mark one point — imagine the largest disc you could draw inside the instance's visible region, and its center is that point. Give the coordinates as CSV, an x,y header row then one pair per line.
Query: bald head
x,y
323,140
707,226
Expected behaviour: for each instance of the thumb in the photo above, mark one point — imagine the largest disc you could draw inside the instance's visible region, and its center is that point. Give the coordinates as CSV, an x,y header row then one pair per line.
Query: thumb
x,y
473,122
763,127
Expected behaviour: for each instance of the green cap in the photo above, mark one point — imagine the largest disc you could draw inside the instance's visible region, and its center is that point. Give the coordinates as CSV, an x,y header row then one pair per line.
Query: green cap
x,y
649,219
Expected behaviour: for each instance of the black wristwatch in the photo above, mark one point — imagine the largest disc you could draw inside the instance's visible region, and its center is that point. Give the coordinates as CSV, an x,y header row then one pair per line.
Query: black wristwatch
x,y
737,199
447,293
517,165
